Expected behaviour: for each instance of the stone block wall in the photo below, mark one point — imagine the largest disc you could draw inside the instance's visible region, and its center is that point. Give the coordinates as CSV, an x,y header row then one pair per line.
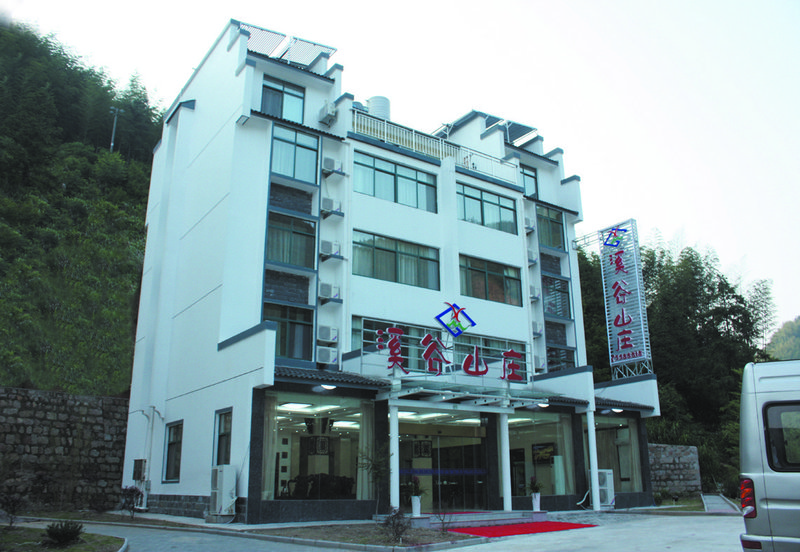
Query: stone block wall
x,y
62,451
675,469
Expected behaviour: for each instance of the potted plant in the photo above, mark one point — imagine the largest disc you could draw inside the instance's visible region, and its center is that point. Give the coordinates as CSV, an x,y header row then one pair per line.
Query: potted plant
x,y
416,493
535,490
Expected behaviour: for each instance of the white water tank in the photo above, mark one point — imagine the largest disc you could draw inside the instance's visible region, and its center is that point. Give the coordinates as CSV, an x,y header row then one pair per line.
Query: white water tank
x,y
379,106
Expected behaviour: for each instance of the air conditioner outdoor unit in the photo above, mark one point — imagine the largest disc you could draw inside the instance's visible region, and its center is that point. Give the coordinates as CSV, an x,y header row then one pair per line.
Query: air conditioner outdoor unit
x,y
537,329
329,334
532,258
606,480
529,227
327,114
329,247
535,293
328,164
330,204
327,355
139,468
223,491
328,291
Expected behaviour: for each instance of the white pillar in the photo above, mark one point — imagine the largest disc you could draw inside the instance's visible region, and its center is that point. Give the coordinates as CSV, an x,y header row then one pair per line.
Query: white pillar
x,y
394,458
505,462
594,482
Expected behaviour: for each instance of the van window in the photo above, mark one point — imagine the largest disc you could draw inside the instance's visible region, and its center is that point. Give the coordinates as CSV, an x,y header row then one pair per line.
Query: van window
x,y
783,435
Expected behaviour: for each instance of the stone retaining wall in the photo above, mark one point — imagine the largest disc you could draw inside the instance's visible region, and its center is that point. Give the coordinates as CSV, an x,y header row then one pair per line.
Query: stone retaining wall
x,y
62,451
675,469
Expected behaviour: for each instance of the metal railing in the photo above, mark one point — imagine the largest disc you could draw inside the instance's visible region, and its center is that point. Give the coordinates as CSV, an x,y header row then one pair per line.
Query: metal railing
x,y
426,144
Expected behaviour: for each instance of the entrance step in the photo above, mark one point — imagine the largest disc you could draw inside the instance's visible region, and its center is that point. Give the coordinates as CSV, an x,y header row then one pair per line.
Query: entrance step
x,y
484,519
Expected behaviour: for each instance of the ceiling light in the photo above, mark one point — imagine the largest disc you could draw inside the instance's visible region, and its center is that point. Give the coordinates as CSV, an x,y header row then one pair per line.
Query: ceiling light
x,y
617,410
293,406
328,387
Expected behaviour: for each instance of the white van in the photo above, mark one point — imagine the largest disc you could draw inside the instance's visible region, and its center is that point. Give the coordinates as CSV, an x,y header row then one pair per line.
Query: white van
x,y
769,452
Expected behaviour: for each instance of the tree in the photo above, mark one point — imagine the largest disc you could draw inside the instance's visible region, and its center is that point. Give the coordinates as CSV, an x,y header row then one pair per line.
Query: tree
x,y
763,308
785,344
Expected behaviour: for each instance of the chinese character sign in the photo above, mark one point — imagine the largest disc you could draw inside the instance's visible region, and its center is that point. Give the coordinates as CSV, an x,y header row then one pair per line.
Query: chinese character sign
x,y
623,289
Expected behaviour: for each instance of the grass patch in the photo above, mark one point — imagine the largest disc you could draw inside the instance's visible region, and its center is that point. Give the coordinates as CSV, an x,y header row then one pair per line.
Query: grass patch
x,y
364,533
25,539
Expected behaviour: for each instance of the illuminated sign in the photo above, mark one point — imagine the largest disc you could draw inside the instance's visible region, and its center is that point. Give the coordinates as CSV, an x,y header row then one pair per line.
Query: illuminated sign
x,y
623,291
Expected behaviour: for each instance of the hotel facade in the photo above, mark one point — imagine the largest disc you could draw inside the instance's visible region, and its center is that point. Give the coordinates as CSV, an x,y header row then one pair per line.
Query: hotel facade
x,y
329,295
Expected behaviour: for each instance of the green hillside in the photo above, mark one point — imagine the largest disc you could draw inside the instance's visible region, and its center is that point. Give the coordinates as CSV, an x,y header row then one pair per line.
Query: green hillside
x,y
71,218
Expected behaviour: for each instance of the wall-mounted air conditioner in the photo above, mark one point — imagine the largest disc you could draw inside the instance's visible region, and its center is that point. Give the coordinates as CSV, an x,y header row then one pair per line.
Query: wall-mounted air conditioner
x,y
331,205
223,491
533,258
327,114
537,329
328,291
328,334
327,355
329,247
529,226
535,293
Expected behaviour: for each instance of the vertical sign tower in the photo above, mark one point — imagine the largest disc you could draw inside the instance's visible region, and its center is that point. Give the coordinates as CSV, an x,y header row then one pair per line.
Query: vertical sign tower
x,y
623,291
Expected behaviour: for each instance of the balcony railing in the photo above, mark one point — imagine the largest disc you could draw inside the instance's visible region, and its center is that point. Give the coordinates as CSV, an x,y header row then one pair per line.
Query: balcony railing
x,y
432,146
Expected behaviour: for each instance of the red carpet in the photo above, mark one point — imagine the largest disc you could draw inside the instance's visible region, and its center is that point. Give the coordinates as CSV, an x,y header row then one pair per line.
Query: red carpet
x,y
519,528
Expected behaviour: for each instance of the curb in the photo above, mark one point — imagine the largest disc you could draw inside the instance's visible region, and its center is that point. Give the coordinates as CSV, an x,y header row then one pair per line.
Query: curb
x,y
287,540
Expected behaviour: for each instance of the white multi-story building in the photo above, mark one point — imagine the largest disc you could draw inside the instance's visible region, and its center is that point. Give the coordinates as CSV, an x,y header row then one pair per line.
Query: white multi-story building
x,y
324,288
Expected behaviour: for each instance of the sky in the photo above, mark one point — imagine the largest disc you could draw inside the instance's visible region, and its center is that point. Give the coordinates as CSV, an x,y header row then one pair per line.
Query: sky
x,y
682,115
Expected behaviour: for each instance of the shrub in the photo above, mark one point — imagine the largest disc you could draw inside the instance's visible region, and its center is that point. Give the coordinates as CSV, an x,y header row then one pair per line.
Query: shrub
x,y
62,533
131,498
396,524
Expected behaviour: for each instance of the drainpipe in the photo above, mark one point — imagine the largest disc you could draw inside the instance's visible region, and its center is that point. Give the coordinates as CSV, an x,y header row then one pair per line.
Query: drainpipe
x,y
594,481
394,458
505,462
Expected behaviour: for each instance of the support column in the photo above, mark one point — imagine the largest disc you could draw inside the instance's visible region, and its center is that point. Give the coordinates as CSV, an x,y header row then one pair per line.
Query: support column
x,y
505,462
594,482
394,458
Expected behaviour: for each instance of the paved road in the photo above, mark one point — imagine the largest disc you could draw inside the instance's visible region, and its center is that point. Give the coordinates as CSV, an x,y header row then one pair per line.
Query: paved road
x,y
630,533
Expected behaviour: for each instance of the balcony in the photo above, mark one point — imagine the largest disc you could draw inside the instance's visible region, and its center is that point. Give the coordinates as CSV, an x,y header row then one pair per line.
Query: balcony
x,y
425,144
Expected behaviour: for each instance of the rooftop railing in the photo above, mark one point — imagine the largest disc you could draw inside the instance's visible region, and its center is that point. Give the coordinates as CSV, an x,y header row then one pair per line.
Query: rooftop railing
x,y
408,138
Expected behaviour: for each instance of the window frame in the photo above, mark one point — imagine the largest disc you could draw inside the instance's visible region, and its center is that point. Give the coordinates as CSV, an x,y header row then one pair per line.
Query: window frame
x,y
549,225
301,242
282,90
561,350
530,175
383,251
222,438
299,142
486,199
172,452
775,435
287,334
425,185
469,268
561,296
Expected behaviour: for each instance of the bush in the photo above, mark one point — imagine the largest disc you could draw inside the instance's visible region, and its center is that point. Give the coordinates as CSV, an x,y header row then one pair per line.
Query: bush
x,y
396,524
62,533
131,498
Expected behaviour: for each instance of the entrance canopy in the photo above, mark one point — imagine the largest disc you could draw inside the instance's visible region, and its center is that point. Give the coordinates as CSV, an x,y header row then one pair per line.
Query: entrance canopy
x,y
451,396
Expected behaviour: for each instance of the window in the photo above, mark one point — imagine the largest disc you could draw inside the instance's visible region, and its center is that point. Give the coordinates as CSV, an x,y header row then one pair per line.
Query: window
x,y
393,182
295,325
492,281
487,209
291,240
783,436
223,436
559,359
530,182
294,154
551,227
172,466
555,293
281,99
395,261
491,350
